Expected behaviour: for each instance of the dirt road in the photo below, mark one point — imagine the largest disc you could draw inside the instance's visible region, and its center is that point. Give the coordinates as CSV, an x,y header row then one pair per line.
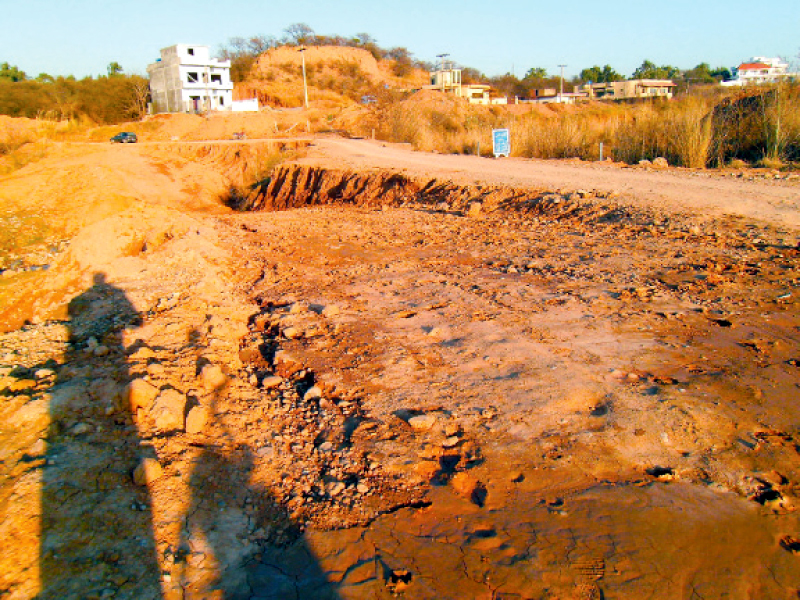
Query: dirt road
x,y
545,400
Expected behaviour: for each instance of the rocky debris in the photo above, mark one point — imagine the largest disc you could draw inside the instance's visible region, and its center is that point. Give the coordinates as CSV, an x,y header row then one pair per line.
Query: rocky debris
x,y
317,437
791,544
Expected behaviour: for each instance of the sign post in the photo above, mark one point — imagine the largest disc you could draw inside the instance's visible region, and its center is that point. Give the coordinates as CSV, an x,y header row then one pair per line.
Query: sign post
x,y
501,143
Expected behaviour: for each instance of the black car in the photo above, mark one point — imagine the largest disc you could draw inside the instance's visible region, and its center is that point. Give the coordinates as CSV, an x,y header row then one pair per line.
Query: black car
x,y
126,137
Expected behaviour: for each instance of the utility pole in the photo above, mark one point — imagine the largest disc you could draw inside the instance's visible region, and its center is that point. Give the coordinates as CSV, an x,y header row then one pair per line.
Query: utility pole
x,y
305,84
561,88
442,58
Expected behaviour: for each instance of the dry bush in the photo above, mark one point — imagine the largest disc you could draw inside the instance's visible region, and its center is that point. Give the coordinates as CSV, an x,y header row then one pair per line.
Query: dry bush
x,y
21,143
760,125
567,136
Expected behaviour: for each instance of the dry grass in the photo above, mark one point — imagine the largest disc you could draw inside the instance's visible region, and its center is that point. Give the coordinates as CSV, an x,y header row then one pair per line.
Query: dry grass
x,y
691,131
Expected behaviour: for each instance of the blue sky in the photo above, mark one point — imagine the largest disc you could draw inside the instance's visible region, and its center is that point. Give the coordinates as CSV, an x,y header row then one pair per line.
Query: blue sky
x,y
81,37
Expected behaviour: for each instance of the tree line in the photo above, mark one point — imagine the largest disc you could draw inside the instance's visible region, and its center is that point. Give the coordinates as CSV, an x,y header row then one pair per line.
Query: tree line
x,y
107,99
537,78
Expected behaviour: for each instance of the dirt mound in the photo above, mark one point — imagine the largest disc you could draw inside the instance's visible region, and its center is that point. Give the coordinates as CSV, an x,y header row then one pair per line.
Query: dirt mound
x,y
336,76
334,58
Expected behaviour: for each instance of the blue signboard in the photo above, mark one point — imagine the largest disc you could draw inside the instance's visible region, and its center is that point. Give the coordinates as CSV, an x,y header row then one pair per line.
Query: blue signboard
x,y
501,142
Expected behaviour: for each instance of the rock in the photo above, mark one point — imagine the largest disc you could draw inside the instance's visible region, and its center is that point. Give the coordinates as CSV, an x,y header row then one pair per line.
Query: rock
x,y
271,381
213,377
335,488
21,385
101,351
38,448
474,209
362,488
148,471
169,410
292,333
142,354
452,429
451,442
427,469
422,422
44,373
155,369
196,420
313,393
140,394
469,487
298,307
81,429
660,163
645,163
286,359
331,311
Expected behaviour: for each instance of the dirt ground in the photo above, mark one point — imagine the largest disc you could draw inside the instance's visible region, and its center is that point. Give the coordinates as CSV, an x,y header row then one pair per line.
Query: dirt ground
x,y
585,388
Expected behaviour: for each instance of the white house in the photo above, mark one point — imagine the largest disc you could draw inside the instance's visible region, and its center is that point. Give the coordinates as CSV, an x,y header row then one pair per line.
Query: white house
x,y
448,81
187,79
759,70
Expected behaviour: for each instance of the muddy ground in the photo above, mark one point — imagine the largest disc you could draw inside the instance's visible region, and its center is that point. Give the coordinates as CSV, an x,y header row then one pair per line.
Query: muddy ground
x,y
526,393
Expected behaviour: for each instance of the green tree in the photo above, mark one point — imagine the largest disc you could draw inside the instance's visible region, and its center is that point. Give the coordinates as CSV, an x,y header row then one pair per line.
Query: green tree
x,y
700,74
721,74
596,74
45,78
649,70
11,73
114,69
536,73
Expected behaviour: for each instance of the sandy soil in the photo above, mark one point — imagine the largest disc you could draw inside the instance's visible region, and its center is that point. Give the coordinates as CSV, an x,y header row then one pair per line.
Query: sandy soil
x,y
420,400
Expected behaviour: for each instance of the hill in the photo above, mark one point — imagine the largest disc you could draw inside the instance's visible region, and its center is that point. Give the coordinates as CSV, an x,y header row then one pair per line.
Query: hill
x,y
336,75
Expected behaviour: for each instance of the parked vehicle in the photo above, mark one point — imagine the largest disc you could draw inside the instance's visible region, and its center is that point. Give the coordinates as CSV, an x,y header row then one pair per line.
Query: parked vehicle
x,y
126,137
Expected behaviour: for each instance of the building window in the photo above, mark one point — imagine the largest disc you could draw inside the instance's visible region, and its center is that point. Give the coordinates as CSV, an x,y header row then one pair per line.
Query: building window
x,y
222,102
191,77
191,51
216,79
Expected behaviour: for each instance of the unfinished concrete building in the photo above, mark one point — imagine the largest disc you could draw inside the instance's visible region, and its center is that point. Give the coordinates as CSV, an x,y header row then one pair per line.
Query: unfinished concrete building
x,y
187,79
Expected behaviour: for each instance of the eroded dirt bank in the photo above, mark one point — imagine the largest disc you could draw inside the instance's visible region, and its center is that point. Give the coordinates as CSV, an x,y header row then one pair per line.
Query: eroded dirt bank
x,y
421,388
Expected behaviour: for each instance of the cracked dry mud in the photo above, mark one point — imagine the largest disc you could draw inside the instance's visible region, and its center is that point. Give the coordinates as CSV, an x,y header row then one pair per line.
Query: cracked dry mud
x,y
560,397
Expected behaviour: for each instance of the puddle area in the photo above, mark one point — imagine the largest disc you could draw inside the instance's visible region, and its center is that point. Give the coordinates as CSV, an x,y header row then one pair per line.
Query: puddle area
x,y
659,540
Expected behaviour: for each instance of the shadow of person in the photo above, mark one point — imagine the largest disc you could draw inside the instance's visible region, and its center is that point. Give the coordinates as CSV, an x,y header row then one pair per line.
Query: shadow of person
x,y
96,527
238,542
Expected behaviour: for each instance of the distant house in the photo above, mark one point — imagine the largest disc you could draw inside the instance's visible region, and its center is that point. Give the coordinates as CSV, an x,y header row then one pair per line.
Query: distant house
x,y
187,79
760,70
631,89
448,81
552,96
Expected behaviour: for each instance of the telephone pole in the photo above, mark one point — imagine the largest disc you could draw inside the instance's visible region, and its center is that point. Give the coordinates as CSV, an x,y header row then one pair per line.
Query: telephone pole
x,y
305,84
561,88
